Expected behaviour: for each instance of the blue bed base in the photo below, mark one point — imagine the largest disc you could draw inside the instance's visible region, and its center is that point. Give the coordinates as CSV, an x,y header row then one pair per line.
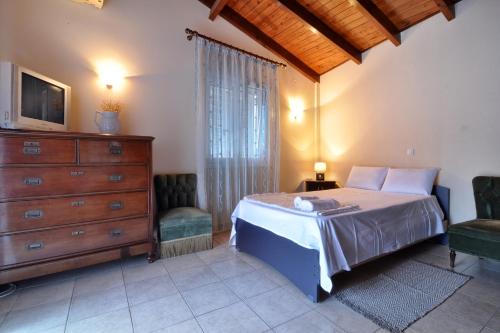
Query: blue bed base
x,y
298,264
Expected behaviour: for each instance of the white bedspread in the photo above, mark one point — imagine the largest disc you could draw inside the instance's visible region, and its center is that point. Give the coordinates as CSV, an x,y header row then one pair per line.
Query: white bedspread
x,y
384,223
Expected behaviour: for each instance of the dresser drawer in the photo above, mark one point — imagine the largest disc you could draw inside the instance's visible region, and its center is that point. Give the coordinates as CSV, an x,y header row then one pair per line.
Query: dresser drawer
x,y
39,181
36,150
34,214
32,246
111,151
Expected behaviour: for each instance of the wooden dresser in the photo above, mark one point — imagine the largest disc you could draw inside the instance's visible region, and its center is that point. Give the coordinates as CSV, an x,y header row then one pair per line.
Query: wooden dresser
x,y
69,200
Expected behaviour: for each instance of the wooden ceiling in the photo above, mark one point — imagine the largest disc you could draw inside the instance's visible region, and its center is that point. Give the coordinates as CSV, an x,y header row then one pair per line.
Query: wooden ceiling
x,y
315,36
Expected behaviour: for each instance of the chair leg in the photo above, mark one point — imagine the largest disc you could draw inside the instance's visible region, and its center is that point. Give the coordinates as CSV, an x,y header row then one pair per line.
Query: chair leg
x,y
452,258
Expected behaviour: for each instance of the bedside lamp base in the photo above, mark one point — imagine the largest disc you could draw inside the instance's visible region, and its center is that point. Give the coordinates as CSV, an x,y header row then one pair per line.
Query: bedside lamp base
x,y
320,176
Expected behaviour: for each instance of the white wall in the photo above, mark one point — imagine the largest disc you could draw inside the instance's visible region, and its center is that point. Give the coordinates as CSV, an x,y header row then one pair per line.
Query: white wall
x,y
64,40
439,92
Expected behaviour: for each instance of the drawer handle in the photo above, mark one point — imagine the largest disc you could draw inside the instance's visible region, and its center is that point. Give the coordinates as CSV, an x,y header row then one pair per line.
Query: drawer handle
x,y
116,205
115,178
78,233
31,143
32,150
34,246
115,148
78,203
116,233
33,181
76,173
33,214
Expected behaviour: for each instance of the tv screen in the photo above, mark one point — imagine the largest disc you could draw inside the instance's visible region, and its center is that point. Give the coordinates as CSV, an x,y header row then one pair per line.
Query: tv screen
x,y
42,100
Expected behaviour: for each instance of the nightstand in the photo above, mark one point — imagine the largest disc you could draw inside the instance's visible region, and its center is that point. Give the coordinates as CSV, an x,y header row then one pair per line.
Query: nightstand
x,y
320,185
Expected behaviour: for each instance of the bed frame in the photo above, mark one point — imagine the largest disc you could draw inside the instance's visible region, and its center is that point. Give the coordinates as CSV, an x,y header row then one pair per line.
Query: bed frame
x,y
298,264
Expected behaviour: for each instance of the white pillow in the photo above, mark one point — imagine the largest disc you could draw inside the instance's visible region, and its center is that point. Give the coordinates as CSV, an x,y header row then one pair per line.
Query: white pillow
x,y
414,181
368,178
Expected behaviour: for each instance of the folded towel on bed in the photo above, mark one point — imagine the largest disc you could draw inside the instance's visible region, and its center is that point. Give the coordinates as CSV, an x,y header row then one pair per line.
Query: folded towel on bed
x,y
317,205
300,198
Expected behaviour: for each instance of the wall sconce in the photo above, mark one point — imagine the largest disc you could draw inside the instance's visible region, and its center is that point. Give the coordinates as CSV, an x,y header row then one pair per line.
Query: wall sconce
x,y
320,168
296,109
111,74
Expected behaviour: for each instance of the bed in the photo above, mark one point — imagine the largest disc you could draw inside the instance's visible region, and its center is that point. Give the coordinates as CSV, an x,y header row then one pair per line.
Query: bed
x,y
309,250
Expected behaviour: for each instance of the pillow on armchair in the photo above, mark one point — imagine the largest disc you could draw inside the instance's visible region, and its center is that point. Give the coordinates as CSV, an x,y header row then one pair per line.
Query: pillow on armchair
x,y
183,227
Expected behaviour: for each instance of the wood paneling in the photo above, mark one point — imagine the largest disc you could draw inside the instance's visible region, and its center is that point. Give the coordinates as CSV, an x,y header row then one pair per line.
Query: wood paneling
x,y
302,29
447,8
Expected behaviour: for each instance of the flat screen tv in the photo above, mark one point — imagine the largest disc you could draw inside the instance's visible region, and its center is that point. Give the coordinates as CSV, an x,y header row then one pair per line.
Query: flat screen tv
x,y
29,100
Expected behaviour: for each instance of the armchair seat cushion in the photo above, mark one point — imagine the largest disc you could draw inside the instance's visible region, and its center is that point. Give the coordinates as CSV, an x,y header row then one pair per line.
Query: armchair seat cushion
x,y
478,237
184,222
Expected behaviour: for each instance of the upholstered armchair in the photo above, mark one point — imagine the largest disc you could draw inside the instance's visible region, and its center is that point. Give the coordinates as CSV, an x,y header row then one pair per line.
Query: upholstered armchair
x,y
479,237
183,227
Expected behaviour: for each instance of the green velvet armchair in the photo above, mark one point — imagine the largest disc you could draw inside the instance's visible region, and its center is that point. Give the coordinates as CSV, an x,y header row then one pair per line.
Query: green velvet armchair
x,y
479,237
183,228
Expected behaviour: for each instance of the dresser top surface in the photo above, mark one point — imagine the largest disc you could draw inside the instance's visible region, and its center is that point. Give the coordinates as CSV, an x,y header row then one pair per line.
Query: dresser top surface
x,y
53,134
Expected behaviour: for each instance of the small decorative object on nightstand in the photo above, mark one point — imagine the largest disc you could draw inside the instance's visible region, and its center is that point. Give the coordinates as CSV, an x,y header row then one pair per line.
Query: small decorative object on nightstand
x,y
320,185
320,168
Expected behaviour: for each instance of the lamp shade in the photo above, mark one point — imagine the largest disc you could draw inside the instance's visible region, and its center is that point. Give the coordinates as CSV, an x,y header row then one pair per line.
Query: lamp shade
x,y
319,167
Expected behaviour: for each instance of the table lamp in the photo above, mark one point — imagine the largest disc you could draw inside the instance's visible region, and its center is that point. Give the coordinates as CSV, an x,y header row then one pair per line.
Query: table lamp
x,y
320,168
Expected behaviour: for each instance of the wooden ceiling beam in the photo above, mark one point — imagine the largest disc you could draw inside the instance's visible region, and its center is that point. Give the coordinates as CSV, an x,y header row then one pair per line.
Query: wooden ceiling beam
x,y
374,14
256,34
447,8
216,8
309,18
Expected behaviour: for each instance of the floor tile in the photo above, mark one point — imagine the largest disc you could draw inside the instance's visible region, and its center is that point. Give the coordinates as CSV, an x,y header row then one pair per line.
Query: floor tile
x,y
230,268
93,304
479,272
488,330
188,326
50,279
58,329
218,254
182,262
310,322
344,317
234,318
116,321
134,261
278,306
468,308
46,293
193,277
159,314
208,298
252,261
462,261
143,272
6,303
250,284
484,290
102,279
274,276
494,322
151,289
36,319
443,322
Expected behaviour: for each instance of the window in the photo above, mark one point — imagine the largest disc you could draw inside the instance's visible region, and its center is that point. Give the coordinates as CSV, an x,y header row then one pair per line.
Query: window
x,y
248,115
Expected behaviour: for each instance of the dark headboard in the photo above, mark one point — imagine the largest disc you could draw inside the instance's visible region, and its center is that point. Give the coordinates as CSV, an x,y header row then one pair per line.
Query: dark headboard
x,y
443,196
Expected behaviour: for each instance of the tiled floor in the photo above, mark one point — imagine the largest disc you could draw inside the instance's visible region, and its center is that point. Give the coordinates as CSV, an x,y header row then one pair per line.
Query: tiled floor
x,y
225,291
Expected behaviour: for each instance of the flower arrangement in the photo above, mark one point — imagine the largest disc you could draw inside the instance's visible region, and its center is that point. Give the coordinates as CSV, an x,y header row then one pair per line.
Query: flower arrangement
x,y
110,106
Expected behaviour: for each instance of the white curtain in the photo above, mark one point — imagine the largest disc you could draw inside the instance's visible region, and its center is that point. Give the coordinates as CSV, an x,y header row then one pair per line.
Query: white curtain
x,y
237,105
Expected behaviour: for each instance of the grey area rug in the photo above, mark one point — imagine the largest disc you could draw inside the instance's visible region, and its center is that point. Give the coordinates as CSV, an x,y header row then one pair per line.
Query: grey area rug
x,y
400,295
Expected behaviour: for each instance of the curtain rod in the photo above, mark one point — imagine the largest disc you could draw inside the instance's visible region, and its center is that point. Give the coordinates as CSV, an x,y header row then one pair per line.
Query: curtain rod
x,y
190,33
